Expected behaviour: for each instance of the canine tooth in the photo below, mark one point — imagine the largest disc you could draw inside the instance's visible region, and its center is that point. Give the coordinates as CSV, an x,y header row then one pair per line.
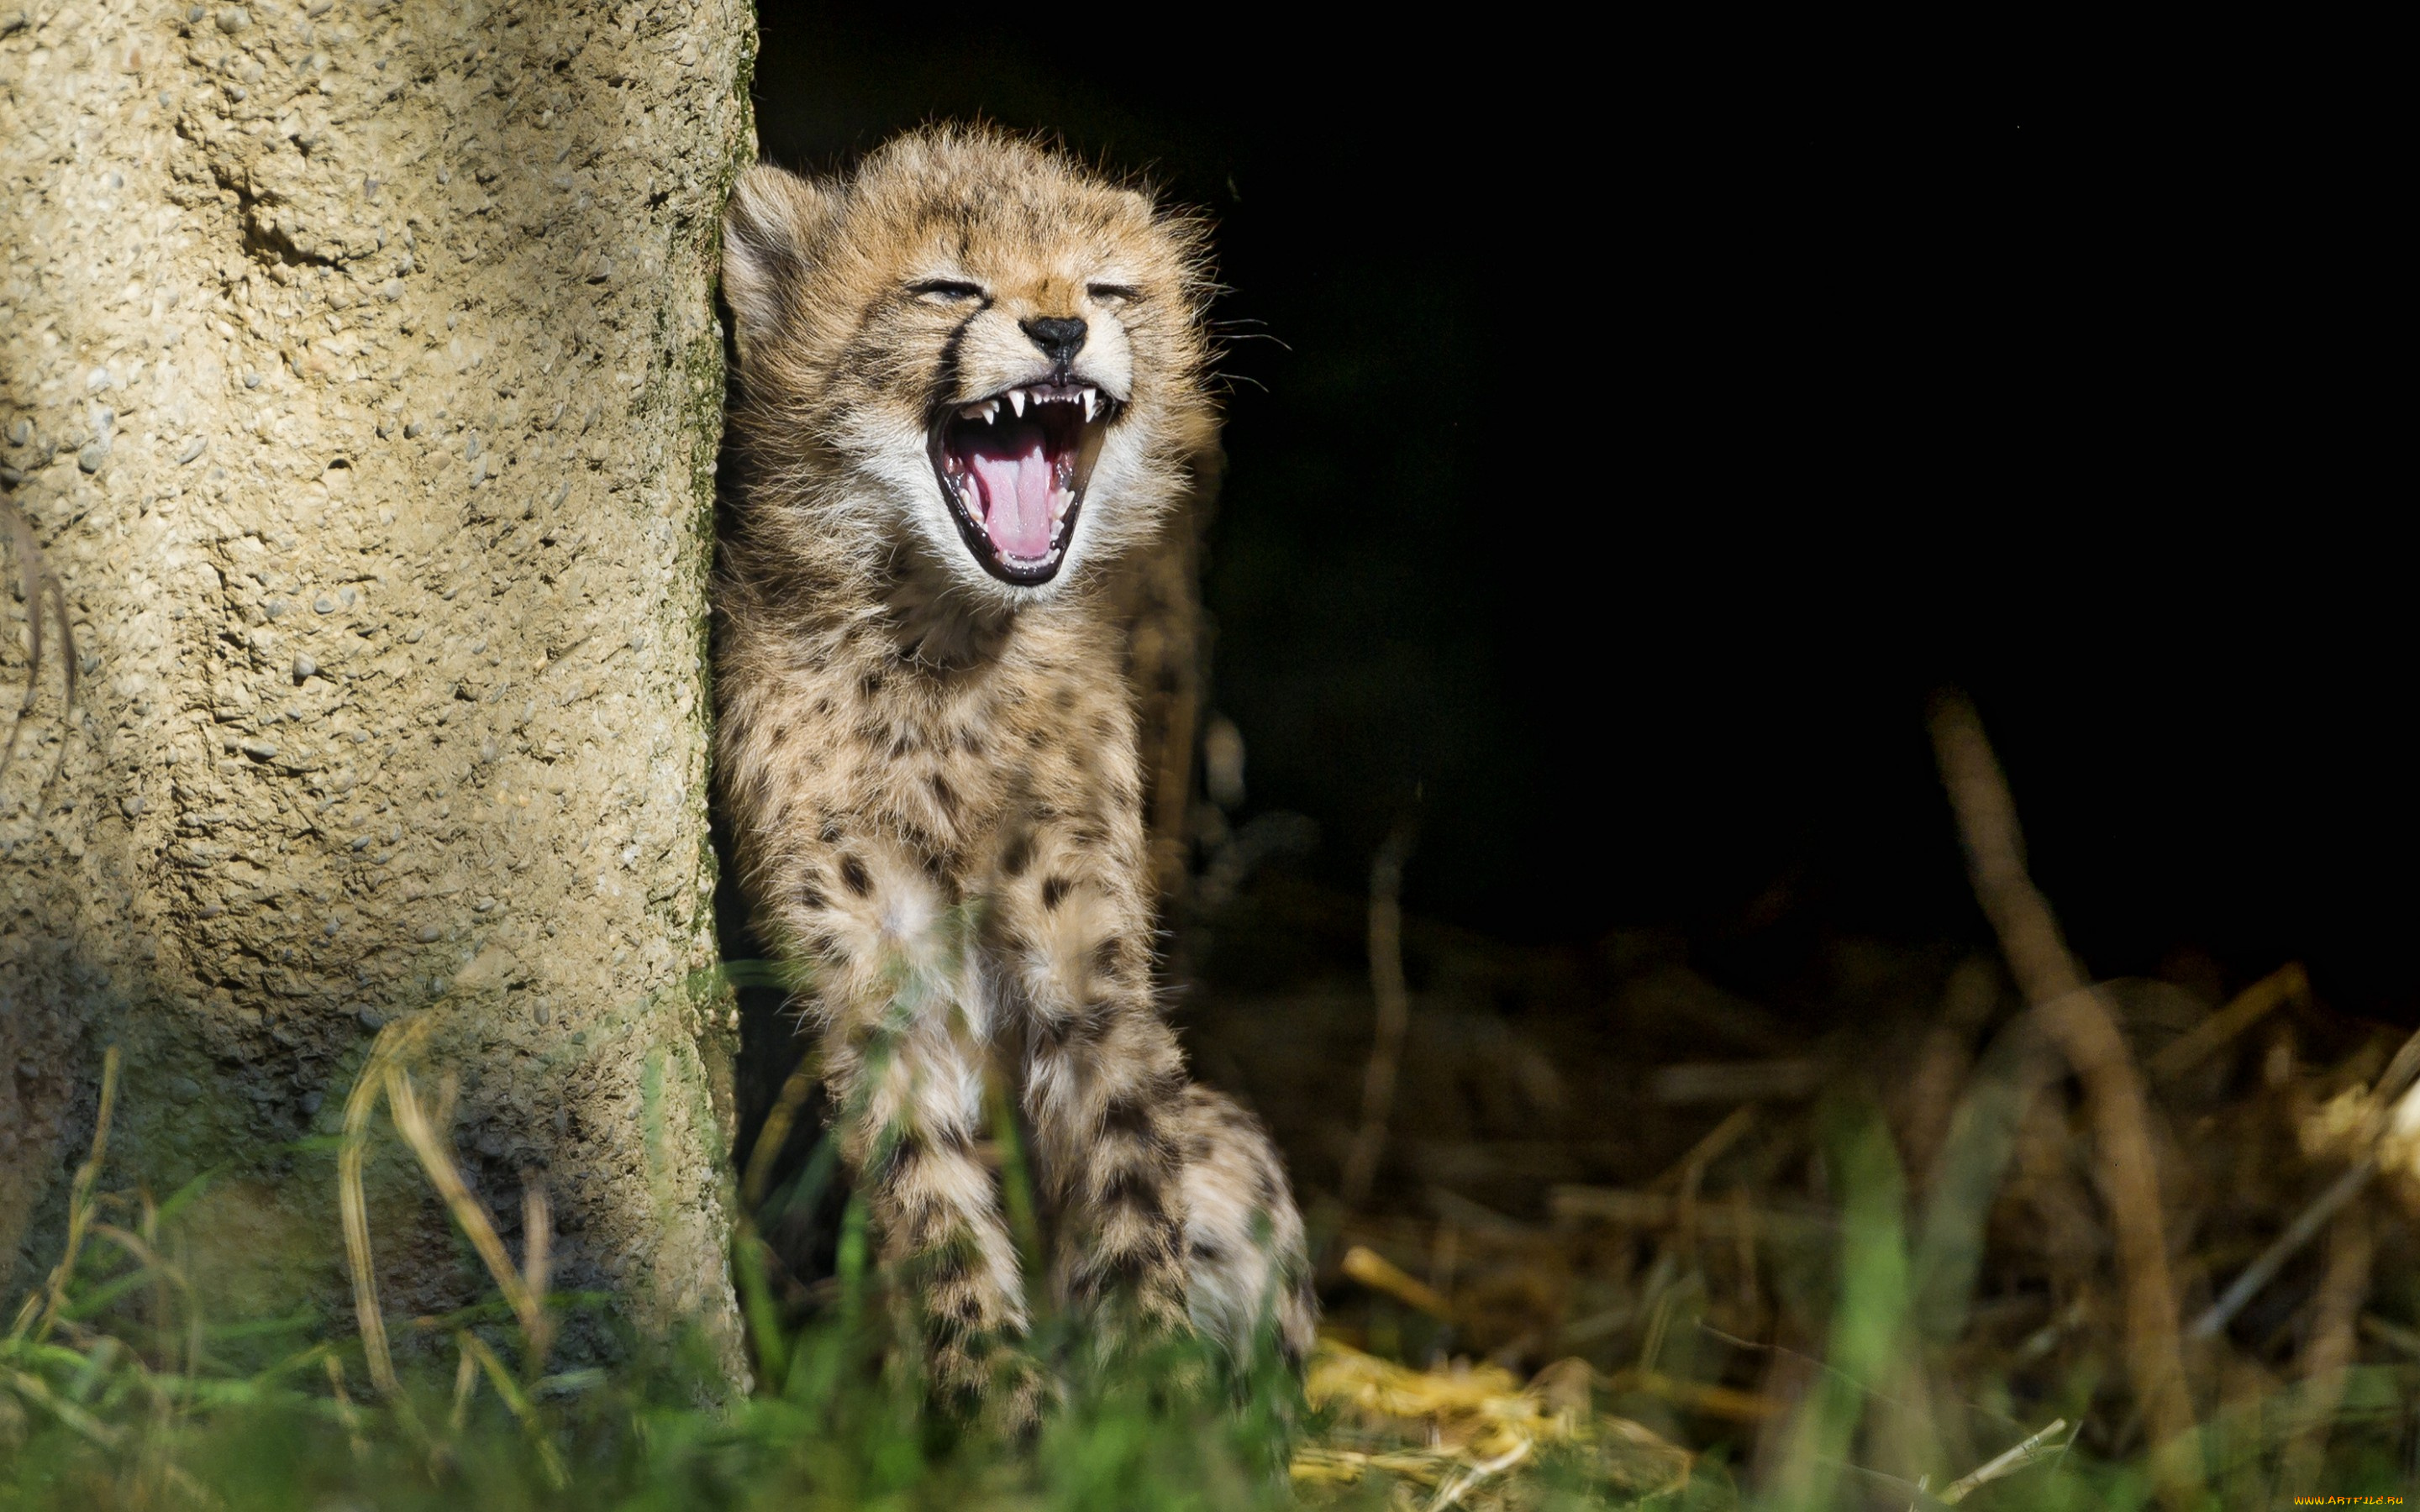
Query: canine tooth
x,y
1016,402
1088,397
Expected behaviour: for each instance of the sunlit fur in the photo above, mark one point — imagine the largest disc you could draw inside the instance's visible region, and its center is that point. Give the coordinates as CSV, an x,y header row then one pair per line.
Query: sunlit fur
x,y
931,773
846,366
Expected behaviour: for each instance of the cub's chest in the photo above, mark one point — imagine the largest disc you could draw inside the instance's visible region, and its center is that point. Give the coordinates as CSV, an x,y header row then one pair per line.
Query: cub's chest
x,y
964,743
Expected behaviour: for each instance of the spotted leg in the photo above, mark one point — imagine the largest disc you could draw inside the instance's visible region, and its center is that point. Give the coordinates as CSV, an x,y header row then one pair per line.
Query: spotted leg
x,y
1104,1085
904,1059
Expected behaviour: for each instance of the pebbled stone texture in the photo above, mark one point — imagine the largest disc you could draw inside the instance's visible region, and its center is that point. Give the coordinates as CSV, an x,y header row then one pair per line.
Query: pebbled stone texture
x,y
360,380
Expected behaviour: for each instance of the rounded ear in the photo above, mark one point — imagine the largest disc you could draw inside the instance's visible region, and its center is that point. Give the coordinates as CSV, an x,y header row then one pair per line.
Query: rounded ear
x,y
770,230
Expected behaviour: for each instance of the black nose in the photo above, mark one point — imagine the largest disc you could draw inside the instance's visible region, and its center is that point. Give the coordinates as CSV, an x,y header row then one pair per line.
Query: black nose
x,y
1059,339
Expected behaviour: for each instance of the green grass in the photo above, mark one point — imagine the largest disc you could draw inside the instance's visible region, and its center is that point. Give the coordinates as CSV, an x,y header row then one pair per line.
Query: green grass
x,y
119,1387
125,1382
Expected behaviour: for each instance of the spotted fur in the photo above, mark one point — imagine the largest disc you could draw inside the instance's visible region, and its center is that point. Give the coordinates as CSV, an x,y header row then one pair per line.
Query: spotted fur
x,y
931,772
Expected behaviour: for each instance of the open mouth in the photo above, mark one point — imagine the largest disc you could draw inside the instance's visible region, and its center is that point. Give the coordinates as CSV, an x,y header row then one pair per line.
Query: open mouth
x,y
1014,468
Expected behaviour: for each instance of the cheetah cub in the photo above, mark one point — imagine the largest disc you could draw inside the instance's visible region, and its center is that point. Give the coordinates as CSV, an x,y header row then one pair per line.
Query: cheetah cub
x,y
971,376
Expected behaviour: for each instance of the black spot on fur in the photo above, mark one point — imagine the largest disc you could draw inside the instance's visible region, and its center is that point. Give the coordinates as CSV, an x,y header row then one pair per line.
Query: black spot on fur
x,y
1080,1030
870,683
1135,1191
833,832
811,893
1142,1260
853,877
1206,1251
947,800
952,1258
1130,1116
781,734
1054,889
1104,956
1093,1025
1018,855
822,705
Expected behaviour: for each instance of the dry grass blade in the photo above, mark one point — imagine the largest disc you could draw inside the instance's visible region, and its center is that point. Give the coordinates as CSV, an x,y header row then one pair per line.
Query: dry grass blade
x,y
2288,984
1736,1081
1454,1427
466,1380
47,1302
1451,1493
1377,1273
2334,1325
2006,1464
34,1389
162,1274
1665,1210
2391,1084
1394,1005
1729,1403
775,1133
2305,1229
528,1306
346,1413
537,1237
1690,1170
2074,1017
352,1204
550,1458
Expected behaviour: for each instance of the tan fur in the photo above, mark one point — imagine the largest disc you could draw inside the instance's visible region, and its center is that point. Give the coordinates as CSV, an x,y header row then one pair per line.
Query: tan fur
x,y
931,772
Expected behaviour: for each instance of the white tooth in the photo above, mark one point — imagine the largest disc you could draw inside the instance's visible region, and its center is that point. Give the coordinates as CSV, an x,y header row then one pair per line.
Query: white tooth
x,y
990,411
1088,397
1016,402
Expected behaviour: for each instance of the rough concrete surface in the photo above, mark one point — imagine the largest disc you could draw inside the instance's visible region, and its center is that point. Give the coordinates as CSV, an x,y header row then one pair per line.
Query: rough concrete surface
x,y
360,376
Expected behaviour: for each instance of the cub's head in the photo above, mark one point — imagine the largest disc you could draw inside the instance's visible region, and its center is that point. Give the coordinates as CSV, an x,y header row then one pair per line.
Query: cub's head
x,y
973,351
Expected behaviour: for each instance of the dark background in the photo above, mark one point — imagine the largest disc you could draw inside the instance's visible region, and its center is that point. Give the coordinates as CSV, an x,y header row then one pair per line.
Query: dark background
x,y
1634,454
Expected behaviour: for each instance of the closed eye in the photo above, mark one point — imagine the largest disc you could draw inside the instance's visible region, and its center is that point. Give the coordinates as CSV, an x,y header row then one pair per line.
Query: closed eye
x,y
945,290
1121,293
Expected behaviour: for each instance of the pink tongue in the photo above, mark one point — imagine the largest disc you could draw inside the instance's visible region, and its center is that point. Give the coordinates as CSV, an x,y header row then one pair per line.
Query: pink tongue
x,y
1014,477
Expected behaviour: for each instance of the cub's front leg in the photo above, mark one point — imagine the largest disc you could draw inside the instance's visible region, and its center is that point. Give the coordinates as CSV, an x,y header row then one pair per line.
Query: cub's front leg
x,y
905,1040
1104,1080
